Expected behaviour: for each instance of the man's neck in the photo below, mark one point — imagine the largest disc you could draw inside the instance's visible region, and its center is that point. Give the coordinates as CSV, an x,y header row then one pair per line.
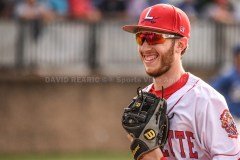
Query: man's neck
x,y
169,78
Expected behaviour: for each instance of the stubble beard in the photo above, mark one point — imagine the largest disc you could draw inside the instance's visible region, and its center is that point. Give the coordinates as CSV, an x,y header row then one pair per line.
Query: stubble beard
x,y
166,63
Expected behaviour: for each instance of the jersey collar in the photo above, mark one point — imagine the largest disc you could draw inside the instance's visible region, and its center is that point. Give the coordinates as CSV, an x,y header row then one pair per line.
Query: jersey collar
x,y
171,89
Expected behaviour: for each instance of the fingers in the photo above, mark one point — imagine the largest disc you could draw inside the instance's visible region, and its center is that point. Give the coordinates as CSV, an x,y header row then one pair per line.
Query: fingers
x,y
130,138
153,155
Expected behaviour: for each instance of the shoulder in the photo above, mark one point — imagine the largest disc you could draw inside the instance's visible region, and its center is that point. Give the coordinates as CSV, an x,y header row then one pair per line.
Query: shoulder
x,y
205,93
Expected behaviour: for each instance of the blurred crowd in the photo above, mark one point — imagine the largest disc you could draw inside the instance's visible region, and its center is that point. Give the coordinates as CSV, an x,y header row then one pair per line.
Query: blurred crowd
x,y
222,11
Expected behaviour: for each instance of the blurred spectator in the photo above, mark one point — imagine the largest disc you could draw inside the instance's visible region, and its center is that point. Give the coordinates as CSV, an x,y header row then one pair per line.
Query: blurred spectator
x,y
59,7
112,8
32,10
84,10
2,7
236,4
153,2
229,85
200,6
135,7
35,13
188,6
221,11
6,8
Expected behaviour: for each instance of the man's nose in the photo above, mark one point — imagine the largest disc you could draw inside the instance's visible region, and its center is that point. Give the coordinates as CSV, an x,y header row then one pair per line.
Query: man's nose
x,y
145,47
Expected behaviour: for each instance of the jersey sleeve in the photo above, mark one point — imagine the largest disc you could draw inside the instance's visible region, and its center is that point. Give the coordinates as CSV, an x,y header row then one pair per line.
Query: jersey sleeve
x,y
217,131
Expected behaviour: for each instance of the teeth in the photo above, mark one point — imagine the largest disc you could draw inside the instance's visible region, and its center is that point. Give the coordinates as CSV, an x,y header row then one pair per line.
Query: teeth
x,y
150,58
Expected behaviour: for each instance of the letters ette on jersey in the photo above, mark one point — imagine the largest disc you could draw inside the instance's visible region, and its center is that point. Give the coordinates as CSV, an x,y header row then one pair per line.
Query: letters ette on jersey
x,y
201,126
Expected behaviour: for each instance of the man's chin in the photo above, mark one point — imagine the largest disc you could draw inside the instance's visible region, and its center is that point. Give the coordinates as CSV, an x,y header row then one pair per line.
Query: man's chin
x,y
153,73
156,73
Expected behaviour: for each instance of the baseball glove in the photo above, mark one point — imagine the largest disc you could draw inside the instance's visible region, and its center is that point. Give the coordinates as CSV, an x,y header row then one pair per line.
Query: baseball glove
x,y
146,121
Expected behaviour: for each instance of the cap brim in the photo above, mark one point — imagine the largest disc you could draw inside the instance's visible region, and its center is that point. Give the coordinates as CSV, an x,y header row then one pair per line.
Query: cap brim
x,y
138,28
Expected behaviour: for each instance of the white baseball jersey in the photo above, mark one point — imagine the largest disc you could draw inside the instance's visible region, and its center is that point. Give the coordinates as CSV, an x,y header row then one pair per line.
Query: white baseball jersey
x,y
201,126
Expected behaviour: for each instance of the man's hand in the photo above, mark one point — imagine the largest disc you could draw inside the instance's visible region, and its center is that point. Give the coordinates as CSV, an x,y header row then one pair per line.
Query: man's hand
x,y
155,154
145,119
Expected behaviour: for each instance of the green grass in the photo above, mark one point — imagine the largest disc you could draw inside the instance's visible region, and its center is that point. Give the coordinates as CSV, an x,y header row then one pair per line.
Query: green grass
x,y
75,156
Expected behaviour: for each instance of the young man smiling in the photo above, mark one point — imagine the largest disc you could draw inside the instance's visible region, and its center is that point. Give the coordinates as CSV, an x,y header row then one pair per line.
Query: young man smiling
x,y
201,126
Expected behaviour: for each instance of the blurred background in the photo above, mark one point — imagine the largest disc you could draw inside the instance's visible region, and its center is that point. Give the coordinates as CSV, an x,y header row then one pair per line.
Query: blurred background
x,y
67,70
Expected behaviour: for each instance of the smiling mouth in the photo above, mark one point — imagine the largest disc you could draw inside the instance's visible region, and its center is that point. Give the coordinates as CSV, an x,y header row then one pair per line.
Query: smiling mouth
x,y
149,58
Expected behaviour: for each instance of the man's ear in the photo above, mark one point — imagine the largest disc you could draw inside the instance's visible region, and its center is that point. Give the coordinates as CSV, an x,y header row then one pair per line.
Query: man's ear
x,y
182,44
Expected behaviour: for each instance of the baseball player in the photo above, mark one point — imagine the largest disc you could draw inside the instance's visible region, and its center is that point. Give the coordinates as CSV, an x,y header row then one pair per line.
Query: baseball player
x,y
201,126
229,85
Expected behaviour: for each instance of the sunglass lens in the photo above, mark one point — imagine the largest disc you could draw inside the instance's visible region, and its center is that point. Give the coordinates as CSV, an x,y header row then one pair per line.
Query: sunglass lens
x,y
140,38
151,38
155,39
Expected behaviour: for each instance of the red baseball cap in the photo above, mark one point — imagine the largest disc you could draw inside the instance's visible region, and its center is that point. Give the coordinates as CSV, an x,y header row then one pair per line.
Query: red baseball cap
x,y
162,18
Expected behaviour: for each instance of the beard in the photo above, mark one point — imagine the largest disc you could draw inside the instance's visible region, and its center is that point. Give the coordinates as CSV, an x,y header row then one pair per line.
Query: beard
x,y
166,62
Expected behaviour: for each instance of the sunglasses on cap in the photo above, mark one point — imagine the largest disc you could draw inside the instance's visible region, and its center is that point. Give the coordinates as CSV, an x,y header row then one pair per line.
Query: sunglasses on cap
x,y
153,38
